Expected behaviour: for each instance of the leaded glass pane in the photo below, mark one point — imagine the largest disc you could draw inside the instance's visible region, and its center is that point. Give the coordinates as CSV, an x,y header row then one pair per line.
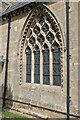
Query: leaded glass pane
x,y
37,69
45,28
28,59
46,56
37,66
32,40
41,39
57,80
56,66
28,79
56,57
50,37
56,69
28,69
46,79
37,57
28,65
53,26
36,30
36,78
46,71
56,48
41,19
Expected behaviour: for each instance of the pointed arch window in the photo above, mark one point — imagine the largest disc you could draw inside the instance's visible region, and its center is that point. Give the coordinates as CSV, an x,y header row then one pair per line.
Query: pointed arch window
x,y
37,65
43,52
28,65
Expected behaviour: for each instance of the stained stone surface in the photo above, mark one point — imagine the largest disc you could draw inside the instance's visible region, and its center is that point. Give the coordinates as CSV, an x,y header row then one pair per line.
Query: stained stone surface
x,y
34,96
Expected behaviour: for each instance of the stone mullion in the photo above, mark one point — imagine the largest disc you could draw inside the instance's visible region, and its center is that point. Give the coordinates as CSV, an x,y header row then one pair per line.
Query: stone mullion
x,y
38,25
43,34
51,68
41,67
52,31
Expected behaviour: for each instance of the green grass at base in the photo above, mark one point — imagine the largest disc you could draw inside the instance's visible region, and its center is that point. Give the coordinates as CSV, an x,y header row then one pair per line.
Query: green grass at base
x,y
14,116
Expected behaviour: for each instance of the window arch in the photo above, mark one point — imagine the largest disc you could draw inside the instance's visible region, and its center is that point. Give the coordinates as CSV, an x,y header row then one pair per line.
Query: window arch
x,y
43,34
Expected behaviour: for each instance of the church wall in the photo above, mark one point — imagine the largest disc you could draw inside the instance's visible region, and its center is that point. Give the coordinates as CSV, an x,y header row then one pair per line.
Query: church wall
x,y
79,59
48,97
74,57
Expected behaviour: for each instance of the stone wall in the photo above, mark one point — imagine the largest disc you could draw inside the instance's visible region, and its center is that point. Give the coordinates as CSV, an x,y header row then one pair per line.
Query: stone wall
x,y
48,97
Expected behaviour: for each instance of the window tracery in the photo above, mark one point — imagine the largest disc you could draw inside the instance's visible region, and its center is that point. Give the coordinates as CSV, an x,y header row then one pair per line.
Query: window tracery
x,y
43,31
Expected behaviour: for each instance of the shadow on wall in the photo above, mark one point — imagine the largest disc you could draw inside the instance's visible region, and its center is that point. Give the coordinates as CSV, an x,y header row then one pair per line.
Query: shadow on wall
x,y
0,96
9,96
8,102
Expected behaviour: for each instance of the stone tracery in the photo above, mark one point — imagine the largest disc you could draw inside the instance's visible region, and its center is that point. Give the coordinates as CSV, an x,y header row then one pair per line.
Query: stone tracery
x,y
42,28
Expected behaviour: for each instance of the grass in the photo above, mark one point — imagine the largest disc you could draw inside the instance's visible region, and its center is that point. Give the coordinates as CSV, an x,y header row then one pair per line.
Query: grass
x,y
14,116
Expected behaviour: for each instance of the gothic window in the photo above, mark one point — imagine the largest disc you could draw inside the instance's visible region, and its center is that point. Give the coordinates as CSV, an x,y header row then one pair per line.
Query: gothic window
x,y
28,65
46,69
36,65
43,49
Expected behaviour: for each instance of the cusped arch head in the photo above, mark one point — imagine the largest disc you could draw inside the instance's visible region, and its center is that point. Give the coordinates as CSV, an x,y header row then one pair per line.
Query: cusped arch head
x,y
28,49
45,46
36,47
39,18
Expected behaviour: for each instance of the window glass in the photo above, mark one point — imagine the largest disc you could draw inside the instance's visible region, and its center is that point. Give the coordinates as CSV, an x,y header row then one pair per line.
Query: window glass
x,y
28,65
46,71
56,66
37,66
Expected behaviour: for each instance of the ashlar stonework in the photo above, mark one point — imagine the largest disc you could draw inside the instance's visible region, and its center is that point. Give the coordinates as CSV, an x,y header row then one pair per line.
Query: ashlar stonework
x,y
41,27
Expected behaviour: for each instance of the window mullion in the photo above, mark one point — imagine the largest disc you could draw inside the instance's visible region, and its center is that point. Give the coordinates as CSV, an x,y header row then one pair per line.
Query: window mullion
x,y
41,67
51,68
